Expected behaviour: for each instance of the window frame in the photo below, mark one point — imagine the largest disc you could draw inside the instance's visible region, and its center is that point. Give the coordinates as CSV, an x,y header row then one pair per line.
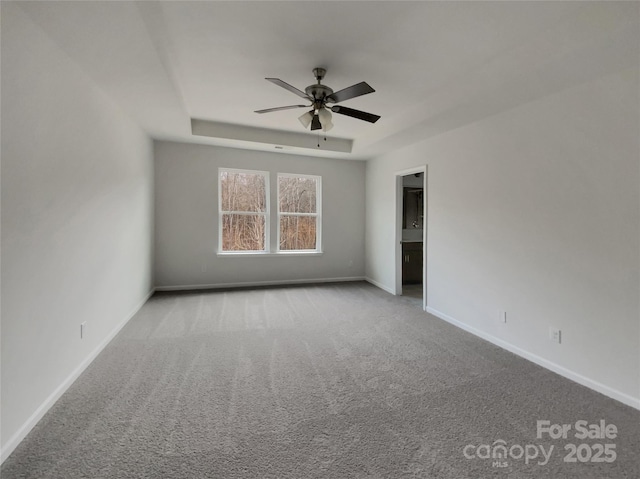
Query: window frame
x,y
266,213
317,214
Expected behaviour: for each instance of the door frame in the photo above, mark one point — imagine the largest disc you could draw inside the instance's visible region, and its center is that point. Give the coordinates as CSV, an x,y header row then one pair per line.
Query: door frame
x,y
398,230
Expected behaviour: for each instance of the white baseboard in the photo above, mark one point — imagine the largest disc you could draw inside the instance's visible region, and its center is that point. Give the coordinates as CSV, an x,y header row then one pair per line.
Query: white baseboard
x,y
380,285
545,363
13,442
249,284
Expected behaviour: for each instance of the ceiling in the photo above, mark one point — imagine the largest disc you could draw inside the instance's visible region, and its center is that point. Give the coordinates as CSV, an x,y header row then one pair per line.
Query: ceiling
x,y
435,66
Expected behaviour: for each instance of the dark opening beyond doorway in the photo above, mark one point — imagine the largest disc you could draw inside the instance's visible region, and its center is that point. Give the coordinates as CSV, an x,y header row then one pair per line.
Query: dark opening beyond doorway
x,y
413,235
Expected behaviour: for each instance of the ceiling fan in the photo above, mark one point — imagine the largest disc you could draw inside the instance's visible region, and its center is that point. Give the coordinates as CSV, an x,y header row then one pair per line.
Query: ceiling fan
x,y
323,101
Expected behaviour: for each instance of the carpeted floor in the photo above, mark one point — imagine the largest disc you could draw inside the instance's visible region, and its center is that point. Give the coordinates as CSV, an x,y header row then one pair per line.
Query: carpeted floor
x,y
328,381
413,292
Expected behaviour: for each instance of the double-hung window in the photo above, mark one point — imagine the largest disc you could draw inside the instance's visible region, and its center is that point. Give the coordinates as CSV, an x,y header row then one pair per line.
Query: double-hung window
x,y
243,210
299,219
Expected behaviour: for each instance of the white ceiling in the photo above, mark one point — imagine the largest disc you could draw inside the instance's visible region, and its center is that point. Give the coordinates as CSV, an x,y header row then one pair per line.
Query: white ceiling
x,y
435,66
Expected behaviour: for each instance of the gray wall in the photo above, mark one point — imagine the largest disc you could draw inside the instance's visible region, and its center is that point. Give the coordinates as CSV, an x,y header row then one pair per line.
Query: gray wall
x,y
535,211
186,222
76,222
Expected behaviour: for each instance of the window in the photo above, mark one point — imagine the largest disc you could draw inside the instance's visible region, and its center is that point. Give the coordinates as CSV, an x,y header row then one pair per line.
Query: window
x,y
243,210
244,220
299,201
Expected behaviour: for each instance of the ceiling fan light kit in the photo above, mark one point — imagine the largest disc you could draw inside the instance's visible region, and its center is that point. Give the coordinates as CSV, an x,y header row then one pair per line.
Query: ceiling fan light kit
x,y
322,97
324,116
306,118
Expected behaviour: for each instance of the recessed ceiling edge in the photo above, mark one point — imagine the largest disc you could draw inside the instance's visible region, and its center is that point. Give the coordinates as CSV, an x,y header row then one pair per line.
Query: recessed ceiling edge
x,y
229,131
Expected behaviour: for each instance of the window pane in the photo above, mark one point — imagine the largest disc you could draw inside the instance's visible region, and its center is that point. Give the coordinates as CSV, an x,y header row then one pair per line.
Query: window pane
x,y
242,191
297,232
297,195
243,232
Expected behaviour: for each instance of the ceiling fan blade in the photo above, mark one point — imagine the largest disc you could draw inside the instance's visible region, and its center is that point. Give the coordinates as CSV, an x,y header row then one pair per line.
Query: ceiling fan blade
x,y
360,115
315,123
290,107
286,86
352,91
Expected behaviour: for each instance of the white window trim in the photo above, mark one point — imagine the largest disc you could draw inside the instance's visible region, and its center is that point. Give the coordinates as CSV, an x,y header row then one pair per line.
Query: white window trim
x,y
317,214
261,254
265,213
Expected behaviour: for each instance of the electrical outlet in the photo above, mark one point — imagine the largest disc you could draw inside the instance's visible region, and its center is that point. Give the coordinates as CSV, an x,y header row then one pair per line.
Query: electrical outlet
x,y
83,329
555,335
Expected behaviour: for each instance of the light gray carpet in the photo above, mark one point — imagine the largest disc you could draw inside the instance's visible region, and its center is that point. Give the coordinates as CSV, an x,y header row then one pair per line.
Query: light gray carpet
x,y
329,381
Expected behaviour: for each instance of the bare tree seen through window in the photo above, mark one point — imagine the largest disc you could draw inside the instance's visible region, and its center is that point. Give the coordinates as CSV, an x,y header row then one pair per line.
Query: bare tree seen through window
x,y
298,213
243,206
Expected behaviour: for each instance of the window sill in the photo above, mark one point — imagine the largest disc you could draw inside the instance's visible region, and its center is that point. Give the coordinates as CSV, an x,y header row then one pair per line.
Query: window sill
x,y
254,254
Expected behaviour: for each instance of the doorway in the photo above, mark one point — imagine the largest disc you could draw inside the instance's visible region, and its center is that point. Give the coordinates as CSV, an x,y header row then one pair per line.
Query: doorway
x,y
411,229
